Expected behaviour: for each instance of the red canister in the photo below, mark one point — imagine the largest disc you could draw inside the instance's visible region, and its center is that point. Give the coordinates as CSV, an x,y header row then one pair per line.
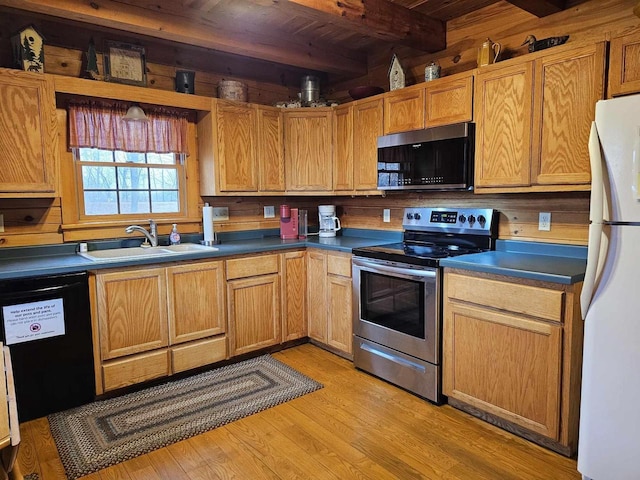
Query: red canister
x,y
285,211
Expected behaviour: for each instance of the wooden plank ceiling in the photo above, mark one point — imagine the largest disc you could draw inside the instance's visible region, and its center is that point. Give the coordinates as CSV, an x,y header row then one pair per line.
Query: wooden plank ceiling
x,y
333,37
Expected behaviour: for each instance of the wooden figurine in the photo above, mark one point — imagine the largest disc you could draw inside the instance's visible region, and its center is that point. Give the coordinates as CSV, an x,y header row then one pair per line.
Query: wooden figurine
x,y
28,49
396,74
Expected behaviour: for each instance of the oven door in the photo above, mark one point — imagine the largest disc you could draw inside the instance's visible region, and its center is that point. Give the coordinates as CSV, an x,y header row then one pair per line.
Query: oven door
x,y
397,306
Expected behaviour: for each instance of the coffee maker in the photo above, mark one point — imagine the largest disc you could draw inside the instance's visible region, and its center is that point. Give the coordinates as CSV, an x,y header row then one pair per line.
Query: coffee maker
x,y
288,222
329,223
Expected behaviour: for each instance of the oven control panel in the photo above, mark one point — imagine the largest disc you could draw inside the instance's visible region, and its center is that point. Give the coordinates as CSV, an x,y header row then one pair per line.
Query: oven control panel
x,y
482,221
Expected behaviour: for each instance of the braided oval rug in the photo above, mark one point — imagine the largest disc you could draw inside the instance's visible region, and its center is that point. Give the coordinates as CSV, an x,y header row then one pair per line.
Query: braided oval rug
x,y
95,436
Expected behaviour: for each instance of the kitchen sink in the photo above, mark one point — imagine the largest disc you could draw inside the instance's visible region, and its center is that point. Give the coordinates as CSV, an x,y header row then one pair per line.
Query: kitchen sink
x,y
133,253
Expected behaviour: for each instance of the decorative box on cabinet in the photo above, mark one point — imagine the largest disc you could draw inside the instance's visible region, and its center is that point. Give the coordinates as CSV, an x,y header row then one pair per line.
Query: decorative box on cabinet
x,y
253,297
533,118
152,322
512,354
29,140
330,299
624,65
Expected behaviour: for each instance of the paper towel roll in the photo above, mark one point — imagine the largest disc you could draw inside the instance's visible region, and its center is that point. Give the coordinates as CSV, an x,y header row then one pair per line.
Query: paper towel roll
x,y
207,224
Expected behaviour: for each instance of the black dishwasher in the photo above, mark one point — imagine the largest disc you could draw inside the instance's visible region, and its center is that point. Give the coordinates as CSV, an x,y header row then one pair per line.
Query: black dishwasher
x,y
46,323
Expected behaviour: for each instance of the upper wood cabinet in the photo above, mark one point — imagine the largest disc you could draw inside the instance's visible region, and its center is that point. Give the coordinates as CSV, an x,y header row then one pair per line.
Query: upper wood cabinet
x,y
443,101
236,129
404,109
269,149
308,149
343,136
533,120
368,125
624,65
29,139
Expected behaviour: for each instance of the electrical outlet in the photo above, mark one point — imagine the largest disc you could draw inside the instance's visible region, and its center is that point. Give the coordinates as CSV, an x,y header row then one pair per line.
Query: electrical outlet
x,y
386,215
220,213
269,212
544,221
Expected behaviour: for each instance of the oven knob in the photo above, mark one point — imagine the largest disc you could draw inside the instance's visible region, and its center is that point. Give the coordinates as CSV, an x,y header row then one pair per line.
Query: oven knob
x,y
409,216
417,216
472,220
482,220
462,218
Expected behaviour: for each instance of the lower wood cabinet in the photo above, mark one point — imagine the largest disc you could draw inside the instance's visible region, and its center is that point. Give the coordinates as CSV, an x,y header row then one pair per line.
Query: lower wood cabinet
x,y
512,354
330,299
152,322
253,296
294,295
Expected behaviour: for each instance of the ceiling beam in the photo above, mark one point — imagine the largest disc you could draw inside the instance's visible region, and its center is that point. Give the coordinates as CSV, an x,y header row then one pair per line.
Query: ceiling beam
x,y
540,8
195,29
379,19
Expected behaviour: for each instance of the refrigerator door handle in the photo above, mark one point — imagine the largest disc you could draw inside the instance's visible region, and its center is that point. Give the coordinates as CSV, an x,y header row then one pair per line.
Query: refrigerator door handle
x,y
596,217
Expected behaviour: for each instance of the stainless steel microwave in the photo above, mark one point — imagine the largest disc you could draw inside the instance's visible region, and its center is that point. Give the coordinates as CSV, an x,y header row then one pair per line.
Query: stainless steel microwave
x,y
439,158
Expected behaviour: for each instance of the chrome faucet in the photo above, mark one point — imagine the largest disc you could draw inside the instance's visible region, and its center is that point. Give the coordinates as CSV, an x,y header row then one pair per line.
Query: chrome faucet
x,y
151,235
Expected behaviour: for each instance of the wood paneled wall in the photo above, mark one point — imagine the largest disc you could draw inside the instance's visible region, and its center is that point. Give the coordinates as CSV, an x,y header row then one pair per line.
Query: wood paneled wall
x,y
518,212
589,21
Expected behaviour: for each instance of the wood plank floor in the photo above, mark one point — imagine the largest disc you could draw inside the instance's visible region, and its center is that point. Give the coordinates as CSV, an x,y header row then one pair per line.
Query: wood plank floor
x,y
357,427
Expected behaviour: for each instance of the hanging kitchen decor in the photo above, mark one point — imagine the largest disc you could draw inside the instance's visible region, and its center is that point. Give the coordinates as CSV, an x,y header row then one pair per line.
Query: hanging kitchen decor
x,y
536,45
28,49
396,74
125,63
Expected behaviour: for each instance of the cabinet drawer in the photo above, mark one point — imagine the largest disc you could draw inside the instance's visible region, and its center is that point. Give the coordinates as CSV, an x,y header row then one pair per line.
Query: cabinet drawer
x,y
339,265
198,354
252,266
135,369
523,299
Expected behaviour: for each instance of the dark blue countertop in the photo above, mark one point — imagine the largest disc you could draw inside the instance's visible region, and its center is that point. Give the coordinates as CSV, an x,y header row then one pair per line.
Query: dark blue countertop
x,y
564,264
57,259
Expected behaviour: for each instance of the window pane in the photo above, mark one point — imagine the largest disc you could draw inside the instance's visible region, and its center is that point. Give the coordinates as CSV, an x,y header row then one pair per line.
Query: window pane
x,y
103,178
134,202
100,203
95,155
161,158
133,178
163,178
130,157
165,202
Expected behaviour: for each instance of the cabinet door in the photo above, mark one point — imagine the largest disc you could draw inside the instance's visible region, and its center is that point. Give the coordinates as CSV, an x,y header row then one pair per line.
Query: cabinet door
x,y
567,87
503,106
449,101
317,294
368,121
132,311
196,301
254,313
307,149
624,65
343,148
294,289
270,156
340,329
504,364
404,109
237,166
29,140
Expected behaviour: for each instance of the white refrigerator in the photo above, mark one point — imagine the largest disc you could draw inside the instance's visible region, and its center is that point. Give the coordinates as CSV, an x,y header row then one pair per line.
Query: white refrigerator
x,y
609,441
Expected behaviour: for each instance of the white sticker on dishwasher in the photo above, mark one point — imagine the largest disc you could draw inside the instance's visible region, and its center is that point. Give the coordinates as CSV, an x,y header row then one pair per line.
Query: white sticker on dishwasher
x,y
32,321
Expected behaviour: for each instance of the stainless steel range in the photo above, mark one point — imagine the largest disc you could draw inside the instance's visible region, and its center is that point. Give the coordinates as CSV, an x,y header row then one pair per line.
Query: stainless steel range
x,y
397,287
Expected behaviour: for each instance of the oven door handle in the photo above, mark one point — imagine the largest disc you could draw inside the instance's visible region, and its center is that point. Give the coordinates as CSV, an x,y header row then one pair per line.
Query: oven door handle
x,y
388,269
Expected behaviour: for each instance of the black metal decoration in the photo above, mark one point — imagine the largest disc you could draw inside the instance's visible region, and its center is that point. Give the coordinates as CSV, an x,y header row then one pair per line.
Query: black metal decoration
x,y
536,45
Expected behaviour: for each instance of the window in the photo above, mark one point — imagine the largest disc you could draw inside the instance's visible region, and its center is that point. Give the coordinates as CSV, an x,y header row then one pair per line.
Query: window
x,y
128,183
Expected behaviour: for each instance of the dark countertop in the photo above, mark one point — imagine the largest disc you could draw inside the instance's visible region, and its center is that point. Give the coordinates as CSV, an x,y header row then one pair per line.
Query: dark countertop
x,y
564,264
57,259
